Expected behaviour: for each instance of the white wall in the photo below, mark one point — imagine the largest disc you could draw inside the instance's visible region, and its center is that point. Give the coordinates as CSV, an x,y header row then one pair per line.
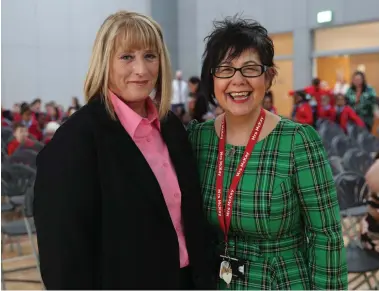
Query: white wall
x,y
46,45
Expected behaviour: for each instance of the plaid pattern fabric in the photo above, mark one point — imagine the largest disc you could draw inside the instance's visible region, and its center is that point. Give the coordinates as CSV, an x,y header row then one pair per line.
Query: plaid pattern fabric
x,y
365,106
285,220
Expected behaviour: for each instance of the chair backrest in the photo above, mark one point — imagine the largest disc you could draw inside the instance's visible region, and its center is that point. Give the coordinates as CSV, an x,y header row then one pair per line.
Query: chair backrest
x,y
6,134
18,178
28,202
341,144
36,147
368,142
336,165
26,157
351,190
358,161
330,130
353,130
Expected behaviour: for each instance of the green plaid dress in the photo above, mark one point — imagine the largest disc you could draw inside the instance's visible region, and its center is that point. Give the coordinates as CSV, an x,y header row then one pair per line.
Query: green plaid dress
x,y
365,106
285,221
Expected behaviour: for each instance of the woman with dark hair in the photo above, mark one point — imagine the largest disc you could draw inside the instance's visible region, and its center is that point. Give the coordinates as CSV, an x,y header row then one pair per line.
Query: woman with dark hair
x,y
279,227
200,103
361,97
302,111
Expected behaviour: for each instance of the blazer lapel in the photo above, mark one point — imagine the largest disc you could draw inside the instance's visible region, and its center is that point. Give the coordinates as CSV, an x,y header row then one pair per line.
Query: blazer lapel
x,y
131,156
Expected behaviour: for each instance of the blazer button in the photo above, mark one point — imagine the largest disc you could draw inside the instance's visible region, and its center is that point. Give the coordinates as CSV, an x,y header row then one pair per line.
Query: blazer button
x,y
165,164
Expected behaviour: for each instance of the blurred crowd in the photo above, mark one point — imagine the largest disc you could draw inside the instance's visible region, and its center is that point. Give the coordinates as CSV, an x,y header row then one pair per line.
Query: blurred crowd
x,y
342,104
30,123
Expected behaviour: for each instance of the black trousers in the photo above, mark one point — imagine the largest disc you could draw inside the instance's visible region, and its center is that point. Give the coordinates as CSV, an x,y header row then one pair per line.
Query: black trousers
x,y
186,279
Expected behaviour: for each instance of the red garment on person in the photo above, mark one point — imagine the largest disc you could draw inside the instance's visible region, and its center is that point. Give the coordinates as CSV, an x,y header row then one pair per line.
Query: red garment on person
x,y
35,131
348,114
14,144
304,114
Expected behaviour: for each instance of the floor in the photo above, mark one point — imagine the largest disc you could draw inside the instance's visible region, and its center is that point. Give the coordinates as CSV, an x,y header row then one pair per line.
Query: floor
x,y
30,274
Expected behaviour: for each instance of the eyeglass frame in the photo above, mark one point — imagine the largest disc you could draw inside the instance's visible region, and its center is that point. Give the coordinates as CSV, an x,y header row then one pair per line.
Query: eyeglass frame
x,y
263,67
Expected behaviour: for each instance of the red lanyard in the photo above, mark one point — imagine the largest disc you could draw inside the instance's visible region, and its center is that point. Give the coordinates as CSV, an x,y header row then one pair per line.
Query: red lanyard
x,y
224,216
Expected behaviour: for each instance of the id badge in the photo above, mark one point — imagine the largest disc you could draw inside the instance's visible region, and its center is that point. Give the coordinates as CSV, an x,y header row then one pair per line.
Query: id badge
x,y
237,266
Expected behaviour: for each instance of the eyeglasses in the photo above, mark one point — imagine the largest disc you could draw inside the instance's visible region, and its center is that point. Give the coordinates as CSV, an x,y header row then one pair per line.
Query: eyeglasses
x,y
250,71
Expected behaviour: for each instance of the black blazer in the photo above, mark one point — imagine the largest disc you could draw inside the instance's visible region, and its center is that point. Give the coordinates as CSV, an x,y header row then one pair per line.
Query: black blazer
x,y
101,219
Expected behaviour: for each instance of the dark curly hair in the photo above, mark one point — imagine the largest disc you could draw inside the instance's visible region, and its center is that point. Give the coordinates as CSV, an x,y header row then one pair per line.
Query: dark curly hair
x,y
233,36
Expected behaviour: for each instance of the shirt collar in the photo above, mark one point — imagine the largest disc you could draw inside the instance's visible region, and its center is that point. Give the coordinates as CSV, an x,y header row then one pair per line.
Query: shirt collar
x,y
129,119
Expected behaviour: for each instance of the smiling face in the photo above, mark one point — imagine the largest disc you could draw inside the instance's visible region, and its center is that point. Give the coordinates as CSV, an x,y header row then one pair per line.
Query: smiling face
x,y
133,74
241,95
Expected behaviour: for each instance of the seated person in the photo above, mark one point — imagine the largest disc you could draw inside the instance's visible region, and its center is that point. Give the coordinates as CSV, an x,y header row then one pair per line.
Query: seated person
x,y
50,130
344,113
20,134
29,122
370,223
326,110
268,103
302,111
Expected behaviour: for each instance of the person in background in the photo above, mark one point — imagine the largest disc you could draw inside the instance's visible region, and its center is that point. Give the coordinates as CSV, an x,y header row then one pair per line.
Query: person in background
x,y
316,91
193,87
325,110
41,121
16,112
200,103
50,130
343,114
61,112
122,174
20,134
75,103
179,95
268,103
361,97
302,111
6,117
341,86
52,112
70,112
30,123
35,106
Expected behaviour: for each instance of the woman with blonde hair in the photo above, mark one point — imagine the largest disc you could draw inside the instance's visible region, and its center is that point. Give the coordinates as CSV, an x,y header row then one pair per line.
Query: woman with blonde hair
x,y
122,209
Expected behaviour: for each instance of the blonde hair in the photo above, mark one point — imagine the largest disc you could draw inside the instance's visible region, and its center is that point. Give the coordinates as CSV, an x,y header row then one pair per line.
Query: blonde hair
x,y
133,31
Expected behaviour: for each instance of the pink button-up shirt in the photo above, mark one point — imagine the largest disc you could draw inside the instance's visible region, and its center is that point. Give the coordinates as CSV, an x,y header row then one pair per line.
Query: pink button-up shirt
x,y
145,132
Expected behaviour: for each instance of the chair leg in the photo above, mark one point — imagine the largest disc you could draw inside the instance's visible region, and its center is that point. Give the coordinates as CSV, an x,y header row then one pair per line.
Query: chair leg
x,y
33,245
19,248
376,280
2,277
367,280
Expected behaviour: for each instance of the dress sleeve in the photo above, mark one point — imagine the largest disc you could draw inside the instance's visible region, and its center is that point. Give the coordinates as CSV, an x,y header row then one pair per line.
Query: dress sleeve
x,y
326,258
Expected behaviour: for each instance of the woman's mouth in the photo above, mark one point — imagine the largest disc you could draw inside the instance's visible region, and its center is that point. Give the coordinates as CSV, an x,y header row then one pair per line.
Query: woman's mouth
x,y
239,97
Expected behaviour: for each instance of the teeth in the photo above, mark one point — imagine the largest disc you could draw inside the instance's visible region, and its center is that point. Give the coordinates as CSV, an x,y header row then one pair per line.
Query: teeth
x,y
239,94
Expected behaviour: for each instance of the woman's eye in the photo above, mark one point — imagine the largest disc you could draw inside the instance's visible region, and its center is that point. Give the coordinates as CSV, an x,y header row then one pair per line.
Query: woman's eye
x,y
151,56
127,57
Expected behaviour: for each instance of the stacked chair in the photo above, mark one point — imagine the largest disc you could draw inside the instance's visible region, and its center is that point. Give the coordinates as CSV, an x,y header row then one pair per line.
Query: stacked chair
x,y
18,173
350,155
